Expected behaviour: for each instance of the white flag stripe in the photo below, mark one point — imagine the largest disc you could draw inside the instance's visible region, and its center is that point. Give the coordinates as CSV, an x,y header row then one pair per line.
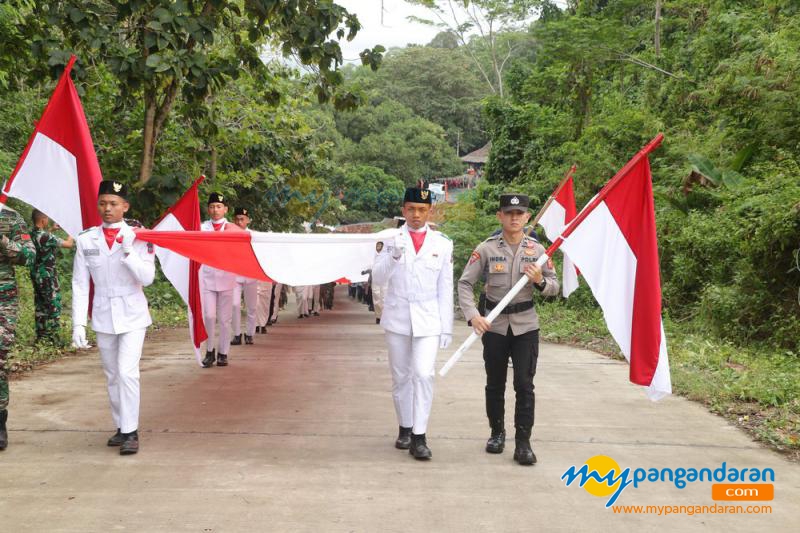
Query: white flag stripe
x,y
311,259
552,220
48,180
174,266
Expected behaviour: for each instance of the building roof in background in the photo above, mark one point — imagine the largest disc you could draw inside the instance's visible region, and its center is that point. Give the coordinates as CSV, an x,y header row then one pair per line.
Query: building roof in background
x,y
481,155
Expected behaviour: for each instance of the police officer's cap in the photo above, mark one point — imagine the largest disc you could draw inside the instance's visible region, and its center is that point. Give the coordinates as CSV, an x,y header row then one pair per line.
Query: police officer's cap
x,y
241,211
417,196
113,187
514,202
216,198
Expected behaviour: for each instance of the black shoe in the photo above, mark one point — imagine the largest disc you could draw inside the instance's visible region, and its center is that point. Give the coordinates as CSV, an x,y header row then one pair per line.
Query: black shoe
x,y
523,453
208,362
237,340
130,445
497,442
117,439
301,316
419,448
316,313
248,339
377,320
3,430
222,359
306,315
403,441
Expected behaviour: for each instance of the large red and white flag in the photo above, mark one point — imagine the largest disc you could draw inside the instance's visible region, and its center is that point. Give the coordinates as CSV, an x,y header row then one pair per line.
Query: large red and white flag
x,y
288,258
557,215
58,172
183,273
614,243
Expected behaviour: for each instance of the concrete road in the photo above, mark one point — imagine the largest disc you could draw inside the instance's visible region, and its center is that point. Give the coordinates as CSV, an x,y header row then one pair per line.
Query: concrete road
x,y
297,435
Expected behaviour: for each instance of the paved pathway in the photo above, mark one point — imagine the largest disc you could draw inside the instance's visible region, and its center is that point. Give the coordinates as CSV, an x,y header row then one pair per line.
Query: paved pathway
x,y
297,435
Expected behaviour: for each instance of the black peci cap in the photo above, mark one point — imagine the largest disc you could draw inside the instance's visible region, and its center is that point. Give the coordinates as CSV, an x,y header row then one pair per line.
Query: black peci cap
x,y
241,211
514,202
113,187
216,198
417,196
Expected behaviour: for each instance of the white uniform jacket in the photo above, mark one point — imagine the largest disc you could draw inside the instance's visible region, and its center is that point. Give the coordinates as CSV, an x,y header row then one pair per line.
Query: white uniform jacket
x,y
419,286
214,279
119,304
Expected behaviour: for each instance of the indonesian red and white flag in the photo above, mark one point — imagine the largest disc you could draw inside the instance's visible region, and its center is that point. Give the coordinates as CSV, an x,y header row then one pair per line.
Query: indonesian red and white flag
x,y
616,249
58,172
183,273
288,258
554,219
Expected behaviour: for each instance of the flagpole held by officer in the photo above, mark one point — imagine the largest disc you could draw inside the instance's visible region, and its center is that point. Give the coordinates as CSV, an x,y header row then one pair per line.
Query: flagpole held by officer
x,y
119,268
417,271
502,260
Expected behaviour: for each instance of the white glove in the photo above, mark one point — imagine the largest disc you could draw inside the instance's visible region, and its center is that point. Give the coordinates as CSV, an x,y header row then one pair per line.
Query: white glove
x,y
127,236
398,249
79,337
444,341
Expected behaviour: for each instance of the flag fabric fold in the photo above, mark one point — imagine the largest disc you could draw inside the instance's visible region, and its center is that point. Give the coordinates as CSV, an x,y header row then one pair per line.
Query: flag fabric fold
x,y
288,258
58,172
558,214
183,273
616,248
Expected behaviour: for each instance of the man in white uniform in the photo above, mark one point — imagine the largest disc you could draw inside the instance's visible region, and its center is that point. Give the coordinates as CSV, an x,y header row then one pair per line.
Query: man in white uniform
x,y
418,315
263,307
301,298
119,267
217,290
246,286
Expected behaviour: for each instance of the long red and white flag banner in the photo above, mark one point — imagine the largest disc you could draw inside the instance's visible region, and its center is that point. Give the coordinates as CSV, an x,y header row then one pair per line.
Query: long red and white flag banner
x,y
558,213
613,241
183,273
288,258
58,172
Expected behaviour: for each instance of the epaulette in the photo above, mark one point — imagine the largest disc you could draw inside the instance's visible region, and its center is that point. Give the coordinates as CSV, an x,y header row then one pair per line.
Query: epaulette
x,y
493,237
445,236
86,230
132,222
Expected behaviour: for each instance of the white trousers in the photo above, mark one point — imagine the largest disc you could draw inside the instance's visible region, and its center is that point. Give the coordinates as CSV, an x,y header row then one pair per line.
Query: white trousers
x,y
120,355
316,301
276,304
302,299
412,361
250,291
264,300
217,306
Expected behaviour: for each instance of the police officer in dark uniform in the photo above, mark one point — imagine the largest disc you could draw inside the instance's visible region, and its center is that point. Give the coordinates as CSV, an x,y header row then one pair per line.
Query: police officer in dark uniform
x,y
502,260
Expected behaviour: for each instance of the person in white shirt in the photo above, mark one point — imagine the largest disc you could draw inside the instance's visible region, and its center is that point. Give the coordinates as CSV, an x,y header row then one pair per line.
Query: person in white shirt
x,y
417,271
246,286
119,267
217,290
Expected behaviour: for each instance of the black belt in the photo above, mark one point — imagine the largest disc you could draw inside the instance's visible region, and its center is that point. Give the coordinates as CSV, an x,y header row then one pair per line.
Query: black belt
x,y
510,309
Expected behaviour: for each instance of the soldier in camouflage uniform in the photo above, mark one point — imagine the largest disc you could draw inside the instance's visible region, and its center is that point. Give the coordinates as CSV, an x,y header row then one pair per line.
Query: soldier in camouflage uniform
x,y
46,291
16,248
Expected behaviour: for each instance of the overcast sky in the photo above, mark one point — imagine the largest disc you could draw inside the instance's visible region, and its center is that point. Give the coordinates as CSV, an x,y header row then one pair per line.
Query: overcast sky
x,y
396,30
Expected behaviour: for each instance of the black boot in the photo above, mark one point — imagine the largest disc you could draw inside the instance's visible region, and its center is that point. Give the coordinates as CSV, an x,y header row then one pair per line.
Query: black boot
x,y
222,359
403,441
497,442
130,445
248,339
237,340
3,430
117,439
208,362
419,448
523,453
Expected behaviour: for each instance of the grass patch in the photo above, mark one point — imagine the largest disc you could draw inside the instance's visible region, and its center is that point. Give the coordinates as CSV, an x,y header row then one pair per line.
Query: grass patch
x,y
756,387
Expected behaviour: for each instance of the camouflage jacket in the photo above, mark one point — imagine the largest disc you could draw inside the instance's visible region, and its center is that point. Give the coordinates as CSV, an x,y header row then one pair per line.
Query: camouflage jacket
x,y
15,249
47,248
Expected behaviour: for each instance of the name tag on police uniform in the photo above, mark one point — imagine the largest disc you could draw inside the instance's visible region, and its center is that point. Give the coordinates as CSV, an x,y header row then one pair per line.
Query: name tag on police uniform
x,y
91,251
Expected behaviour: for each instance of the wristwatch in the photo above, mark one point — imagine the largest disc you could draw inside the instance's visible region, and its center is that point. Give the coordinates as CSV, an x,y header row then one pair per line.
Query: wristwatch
x,y
542,284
